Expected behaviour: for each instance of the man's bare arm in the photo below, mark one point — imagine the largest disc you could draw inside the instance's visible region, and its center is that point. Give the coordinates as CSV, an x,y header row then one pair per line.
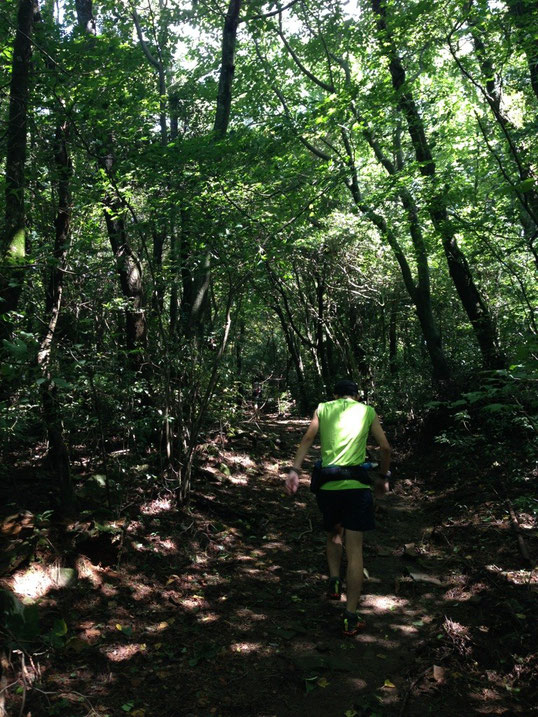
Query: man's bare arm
x,y
385,452
292,481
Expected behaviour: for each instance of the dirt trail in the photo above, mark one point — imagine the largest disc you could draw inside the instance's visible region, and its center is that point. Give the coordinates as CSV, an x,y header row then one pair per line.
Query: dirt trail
x,y
220,610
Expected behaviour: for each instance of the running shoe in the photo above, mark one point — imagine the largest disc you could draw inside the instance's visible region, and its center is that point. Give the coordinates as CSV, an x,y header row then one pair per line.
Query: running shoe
x,y
352,623
334,591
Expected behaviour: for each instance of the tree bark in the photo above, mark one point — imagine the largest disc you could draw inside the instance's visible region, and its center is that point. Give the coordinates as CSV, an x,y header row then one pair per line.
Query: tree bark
x,y
227,68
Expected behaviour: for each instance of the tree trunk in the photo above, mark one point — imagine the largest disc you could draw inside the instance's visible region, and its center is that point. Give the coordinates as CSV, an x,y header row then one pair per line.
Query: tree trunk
x,y
159,286
58,456
393,350
459,269
227,68
130,275
296,358
421,291
13,240
522,163
85,18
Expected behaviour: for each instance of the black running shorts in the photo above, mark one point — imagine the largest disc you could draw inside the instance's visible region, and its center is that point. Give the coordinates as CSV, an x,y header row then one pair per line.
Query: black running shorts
x,y
353,508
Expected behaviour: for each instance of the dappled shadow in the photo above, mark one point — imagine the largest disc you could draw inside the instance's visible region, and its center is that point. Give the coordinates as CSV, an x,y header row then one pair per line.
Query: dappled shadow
x,y
220,609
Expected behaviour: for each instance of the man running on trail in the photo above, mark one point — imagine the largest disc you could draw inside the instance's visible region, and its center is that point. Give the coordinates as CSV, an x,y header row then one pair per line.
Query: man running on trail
x,y
345,496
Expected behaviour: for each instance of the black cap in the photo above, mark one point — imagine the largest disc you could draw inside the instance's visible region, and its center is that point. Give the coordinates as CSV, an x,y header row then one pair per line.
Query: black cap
x,y
346,387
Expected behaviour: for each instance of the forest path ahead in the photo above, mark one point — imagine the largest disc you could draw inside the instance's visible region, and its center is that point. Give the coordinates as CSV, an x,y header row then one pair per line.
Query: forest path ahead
x,y
219,609
253,633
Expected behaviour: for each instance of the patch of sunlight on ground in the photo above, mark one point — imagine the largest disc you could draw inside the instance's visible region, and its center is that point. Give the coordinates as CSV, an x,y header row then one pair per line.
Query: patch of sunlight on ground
x,y
191,604
163,546
120,653
33,583
275,545
245,647
160,626
238,480
358,684
156,545
383,602
38,580
242,460
154,507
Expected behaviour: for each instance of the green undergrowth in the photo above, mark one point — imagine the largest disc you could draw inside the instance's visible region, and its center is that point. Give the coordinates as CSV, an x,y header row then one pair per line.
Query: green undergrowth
x,y
489,434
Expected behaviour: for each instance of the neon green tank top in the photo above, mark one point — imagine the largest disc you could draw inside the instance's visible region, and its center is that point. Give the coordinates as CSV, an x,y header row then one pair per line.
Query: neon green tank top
x,y
344,426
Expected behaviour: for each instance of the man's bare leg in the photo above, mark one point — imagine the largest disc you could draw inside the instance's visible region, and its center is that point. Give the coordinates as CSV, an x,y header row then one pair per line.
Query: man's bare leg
x,y
334,551
354,575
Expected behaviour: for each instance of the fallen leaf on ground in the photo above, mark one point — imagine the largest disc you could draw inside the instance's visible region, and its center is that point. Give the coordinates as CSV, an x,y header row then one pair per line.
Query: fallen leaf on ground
x,y
425,578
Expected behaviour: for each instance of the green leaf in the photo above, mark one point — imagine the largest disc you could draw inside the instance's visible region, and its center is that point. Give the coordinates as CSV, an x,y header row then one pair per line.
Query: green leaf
x,y
60,628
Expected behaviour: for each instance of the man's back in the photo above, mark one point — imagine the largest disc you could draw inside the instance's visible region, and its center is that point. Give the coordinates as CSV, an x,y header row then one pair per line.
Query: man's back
x,y
344,425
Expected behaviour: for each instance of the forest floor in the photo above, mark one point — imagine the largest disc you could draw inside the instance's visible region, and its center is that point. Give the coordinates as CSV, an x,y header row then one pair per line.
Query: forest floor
x,y
219,609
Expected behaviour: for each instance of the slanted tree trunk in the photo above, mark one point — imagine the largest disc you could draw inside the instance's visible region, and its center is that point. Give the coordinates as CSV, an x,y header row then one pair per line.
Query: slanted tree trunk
x,y
420,293
460,272
13,238
520,160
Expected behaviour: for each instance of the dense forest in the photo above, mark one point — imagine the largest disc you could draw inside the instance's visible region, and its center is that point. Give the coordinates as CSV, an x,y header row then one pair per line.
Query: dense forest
x,y
211,210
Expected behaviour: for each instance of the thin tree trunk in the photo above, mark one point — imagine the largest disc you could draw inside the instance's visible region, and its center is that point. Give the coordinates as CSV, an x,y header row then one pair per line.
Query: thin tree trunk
x,y
393,351
528,200
128,266
159,287
130,275
420,294
58,455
